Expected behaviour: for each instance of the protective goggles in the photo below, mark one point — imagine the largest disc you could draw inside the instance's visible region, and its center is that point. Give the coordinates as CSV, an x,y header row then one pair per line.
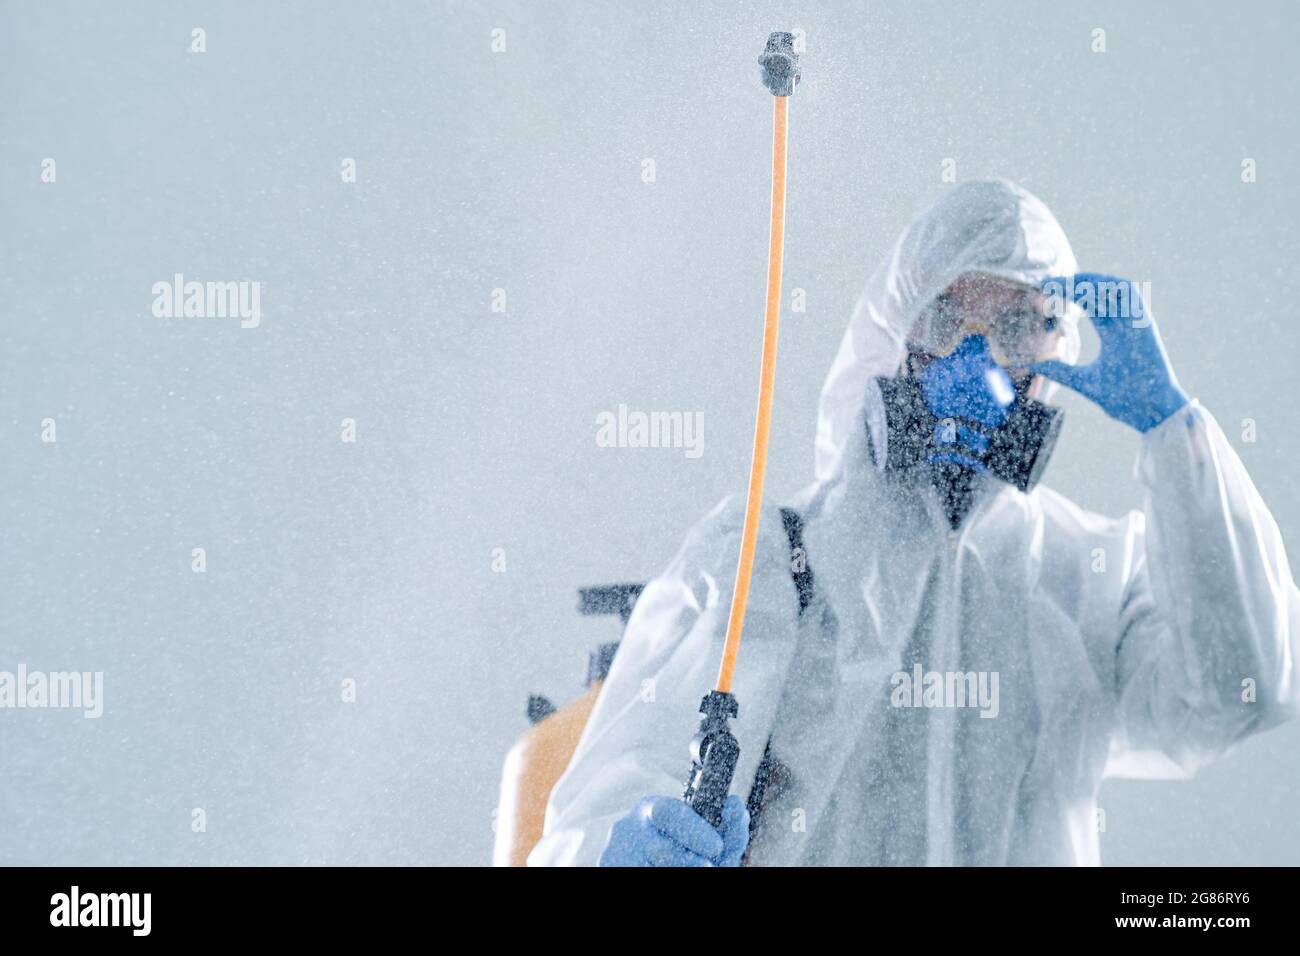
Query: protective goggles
x,y
1022,327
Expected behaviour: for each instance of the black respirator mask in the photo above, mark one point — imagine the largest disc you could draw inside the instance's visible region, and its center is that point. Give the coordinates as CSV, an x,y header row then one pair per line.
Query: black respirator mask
x,y
961,416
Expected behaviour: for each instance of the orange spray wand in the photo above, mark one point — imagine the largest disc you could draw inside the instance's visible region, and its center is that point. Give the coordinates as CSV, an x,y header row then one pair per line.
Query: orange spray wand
x,y
715,751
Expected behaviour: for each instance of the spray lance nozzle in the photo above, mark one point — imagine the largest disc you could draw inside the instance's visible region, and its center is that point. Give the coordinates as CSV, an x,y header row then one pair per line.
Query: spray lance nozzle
x,y
715,750
780,64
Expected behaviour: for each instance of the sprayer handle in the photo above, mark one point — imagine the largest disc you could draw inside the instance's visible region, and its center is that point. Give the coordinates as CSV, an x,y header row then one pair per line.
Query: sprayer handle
x,y
714,753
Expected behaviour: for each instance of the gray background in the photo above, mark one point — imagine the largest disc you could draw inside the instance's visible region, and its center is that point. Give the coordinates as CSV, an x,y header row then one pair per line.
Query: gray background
x,y
522,170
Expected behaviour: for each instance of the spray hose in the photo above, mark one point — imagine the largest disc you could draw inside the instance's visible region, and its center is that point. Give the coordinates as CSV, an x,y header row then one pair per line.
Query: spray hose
x,y
715,750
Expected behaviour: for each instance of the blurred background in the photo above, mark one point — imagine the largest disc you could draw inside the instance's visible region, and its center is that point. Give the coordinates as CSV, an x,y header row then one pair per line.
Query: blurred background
x,y
434,560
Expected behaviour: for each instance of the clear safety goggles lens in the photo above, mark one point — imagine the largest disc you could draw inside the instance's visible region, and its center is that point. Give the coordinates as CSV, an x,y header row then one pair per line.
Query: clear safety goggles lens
x,y
1027,332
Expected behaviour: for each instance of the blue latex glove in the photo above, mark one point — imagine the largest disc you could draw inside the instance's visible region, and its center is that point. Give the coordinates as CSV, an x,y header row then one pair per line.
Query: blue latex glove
x,y
665,831
1131,379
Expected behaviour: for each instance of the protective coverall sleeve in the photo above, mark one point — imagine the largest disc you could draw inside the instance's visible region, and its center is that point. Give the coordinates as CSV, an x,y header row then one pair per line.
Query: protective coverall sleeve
x,y
636,741
1210,615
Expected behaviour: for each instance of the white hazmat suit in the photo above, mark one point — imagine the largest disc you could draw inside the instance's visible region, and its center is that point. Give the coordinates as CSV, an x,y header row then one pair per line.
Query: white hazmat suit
x,y
1121,647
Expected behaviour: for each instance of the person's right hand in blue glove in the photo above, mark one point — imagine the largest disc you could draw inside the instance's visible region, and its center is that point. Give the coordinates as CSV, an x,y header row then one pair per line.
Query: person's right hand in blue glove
x,y
665,831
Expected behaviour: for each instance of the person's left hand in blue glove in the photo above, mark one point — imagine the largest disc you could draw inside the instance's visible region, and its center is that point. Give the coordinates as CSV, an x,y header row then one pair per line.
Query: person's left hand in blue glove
x,y
1131,379
665,831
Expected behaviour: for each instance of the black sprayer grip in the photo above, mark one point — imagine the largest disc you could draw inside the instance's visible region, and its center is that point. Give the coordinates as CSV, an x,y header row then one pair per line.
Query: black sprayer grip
x,y
714,752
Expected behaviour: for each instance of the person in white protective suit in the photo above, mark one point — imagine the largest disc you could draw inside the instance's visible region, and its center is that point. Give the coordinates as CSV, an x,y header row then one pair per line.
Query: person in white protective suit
x,y
1082,646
